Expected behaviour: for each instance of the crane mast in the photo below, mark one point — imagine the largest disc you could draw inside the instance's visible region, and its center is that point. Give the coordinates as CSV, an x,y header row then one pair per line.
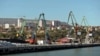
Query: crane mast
x,y
72,17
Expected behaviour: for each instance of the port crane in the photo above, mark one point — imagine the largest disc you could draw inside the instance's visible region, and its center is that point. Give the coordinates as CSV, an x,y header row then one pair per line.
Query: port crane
x,y
85,23
75,30
88,29
33,38
72,18
73,24
42,17
22,28
20,34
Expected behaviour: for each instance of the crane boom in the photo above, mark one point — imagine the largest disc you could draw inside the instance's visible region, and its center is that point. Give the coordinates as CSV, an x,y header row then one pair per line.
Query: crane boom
x,y
23,25
86,24
84,21
44,23
72,17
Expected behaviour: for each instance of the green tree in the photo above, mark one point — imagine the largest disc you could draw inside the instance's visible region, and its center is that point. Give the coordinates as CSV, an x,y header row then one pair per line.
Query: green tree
x,y
12,33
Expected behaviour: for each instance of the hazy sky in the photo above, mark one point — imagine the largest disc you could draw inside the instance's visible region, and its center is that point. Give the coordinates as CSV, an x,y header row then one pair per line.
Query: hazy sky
x,y
53,9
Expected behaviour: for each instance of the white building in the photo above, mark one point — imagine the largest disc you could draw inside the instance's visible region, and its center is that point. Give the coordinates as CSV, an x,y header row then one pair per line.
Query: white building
x,y
7,22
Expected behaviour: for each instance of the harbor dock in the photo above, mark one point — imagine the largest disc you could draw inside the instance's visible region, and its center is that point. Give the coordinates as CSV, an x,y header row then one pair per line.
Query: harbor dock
x,y
25,48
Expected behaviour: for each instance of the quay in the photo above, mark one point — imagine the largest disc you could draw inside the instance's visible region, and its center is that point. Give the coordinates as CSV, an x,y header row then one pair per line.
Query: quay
x,y
25,48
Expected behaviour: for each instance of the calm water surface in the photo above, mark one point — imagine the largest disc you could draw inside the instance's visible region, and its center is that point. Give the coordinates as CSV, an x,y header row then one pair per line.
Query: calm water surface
x,y
91,51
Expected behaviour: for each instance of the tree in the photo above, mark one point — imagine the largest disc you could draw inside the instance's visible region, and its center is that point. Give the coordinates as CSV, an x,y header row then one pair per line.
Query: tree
x,y
12,33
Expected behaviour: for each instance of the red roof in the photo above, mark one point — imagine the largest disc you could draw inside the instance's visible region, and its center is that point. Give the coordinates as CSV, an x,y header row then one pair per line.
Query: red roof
x,y
63,40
